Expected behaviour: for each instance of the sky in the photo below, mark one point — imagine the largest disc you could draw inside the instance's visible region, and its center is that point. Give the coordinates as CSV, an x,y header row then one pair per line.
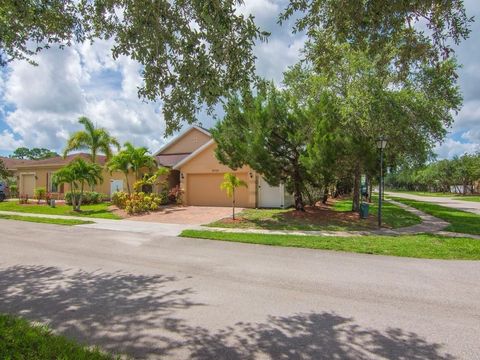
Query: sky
x,y
40,105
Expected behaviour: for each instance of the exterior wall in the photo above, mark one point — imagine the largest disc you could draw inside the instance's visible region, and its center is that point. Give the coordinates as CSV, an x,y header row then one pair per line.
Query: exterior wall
x,y
206,163
190,142
43,174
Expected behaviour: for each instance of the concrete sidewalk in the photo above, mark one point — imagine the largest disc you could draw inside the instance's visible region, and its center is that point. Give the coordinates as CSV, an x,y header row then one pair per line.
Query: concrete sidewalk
x,y
149,228
469,206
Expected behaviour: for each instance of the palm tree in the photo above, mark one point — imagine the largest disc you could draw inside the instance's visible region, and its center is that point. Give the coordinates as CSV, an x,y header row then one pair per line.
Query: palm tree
x,y
229,184
78,174
120,162
139,158
93,139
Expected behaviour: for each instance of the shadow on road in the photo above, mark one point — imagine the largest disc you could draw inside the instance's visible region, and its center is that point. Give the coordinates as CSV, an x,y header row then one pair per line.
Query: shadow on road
x,y
143,316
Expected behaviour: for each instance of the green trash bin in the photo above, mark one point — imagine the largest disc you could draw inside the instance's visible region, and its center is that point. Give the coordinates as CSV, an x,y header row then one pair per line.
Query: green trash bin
x,y
363,210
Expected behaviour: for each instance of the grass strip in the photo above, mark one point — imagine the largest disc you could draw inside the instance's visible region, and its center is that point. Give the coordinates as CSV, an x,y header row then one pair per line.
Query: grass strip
x,y
20,339
44,220
93,211
460,221
424,246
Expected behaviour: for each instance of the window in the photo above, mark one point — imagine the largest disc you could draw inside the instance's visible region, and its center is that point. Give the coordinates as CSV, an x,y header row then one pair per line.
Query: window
x,y
51,186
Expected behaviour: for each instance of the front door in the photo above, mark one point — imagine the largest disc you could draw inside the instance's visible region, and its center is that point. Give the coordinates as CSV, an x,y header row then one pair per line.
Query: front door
x,y
116,186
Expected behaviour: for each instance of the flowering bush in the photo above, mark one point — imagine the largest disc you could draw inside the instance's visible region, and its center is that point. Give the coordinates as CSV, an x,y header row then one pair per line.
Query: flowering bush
x,y
175,195
138,202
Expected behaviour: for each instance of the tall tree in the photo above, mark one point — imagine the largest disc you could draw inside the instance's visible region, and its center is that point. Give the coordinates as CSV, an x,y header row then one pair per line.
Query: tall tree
x,y
401,33
268,132
4,172
192,52
96,140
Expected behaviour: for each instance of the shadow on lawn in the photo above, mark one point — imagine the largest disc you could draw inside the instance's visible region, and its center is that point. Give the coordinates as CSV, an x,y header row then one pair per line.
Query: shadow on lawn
x,y
142,316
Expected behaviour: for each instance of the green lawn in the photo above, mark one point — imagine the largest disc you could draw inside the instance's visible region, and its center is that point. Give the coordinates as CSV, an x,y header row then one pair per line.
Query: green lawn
x,y
56,221
335,219
392,216
460,221
423,193
20,339
468,198
93,211
416,246
475,198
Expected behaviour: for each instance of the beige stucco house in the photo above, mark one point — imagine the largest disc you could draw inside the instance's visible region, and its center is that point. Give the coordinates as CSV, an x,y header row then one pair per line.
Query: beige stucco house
x,y
194,167
200,174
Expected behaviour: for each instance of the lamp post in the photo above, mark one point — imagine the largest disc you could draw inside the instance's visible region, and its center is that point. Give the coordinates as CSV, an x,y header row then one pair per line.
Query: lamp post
x,y
381,144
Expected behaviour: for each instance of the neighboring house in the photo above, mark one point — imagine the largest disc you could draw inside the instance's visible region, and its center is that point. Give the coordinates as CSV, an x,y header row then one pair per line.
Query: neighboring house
x,y
194,167
31,174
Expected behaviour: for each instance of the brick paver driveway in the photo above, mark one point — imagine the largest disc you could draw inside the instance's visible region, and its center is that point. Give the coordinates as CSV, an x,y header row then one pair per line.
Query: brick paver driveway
x,y
193,215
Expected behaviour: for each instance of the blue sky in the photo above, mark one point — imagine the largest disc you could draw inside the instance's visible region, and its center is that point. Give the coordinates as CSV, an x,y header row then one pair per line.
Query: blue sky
x,y
39,106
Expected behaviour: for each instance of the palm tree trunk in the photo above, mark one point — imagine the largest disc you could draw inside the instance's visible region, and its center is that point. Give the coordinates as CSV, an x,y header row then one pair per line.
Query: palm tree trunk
x,y
233,199
128,185
72,191
80,197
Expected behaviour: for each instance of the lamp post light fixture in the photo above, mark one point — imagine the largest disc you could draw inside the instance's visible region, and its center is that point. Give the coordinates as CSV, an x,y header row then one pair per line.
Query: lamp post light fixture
x,y
381,144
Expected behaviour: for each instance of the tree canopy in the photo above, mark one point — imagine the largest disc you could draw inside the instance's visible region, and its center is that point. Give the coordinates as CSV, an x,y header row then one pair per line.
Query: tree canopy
x,y
192,52
33,154
94,139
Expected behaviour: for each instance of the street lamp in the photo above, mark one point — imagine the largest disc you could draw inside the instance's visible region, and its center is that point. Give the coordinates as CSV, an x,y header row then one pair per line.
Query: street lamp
x,y
381,144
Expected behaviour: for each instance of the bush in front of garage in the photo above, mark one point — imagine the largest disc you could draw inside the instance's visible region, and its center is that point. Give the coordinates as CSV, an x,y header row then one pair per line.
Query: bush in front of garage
x,y
89,197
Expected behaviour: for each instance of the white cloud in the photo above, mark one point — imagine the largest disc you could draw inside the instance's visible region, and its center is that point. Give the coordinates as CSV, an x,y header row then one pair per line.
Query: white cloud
x,y
451,148
8,142
82,80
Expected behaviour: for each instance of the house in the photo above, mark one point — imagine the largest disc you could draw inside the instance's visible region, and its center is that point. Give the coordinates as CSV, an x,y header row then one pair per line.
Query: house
x,y
32,174
191,158
191,155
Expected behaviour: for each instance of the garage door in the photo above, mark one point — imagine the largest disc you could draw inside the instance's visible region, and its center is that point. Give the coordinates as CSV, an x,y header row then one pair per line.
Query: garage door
x,y
28,184
204,190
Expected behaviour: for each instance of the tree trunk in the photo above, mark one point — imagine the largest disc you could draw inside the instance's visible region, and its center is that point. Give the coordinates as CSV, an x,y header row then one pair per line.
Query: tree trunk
x,y
370,190
356,189
80,198
297,195
233,204
128,185
325,195
72,191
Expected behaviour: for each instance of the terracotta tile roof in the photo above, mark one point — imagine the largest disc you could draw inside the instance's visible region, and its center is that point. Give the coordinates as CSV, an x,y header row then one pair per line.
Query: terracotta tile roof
x,y
54,161
169,160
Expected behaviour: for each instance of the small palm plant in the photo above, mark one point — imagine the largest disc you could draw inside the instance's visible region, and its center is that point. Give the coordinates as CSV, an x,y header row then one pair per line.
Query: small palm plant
x,y
229,184
78,174
120,162
139,158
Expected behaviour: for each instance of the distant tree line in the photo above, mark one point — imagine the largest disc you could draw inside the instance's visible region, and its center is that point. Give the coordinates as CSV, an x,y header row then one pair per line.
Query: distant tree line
x,y
25,153
460,174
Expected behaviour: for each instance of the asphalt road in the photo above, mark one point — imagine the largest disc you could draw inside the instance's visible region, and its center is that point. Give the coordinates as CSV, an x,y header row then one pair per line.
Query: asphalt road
x,y
470,206
167,297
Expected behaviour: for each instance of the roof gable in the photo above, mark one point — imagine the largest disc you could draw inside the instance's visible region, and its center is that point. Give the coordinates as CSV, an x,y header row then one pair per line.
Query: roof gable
x,y
186,142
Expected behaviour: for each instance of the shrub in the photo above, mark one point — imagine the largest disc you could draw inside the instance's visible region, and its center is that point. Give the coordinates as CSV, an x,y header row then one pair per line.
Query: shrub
x,y
40,193
119,199
175,195
89,197
138,202
13,188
